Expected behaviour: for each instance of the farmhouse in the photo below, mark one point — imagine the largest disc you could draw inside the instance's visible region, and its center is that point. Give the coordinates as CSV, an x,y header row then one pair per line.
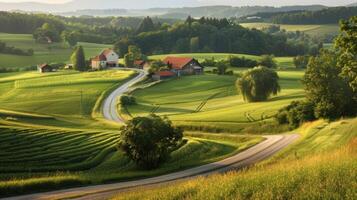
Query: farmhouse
x,y
43,68
141,64
162,75
108,58
184,65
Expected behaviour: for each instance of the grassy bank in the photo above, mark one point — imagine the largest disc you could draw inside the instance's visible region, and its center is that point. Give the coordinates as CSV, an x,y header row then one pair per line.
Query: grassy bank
x,y
326,171
42,158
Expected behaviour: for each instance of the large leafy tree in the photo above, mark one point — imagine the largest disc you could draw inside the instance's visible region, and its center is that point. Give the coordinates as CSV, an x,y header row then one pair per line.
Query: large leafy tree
x,y
346,44
268,61
329,92
258,84
78,59
148,141
134,53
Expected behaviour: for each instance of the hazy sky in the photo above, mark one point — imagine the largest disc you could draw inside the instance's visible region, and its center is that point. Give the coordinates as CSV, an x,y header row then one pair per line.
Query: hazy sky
x,y
230,2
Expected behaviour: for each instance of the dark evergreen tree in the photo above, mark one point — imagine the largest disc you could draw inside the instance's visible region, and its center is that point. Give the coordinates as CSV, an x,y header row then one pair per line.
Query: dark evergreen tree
x,y
146,25
78,59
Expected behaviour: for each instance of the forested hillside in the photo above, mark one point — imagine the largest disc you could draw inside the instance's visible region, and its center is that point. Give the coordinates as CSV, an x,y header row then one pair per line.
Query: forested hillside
x,y
158,36
325,16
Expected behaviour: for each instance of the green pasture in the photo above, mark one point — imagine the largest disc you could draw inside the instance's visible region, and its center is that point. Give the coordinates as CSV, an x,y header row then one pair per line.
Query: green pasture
x,y
45,159
67,95
283,62
44,53
320,165
212,100
314,30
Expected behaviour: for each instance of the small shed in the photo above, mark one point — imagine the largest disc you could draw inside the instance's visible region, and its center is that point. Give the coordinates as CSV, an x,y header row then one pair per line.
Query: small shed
x,y
162,75
43,68
141,64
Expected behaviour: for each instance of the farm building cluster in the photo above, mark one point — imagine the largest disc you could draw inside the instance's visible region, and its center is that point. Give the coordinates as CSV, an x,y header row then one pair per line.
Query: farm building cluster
x,y
174,66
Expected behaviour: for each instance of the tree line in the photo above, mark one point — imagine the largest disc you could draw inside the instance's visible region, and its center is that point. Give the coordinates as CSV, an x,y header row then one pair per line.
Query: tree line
x,y
325,16
209,35
330,82
13,50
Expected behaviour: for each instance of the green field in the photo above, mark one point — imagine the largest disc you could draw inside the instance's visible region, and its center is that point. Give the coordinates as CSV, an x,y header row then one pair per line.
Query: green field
x,y
68,96
47,159
44,53
283,62
314,30
212,101
52,134
321,165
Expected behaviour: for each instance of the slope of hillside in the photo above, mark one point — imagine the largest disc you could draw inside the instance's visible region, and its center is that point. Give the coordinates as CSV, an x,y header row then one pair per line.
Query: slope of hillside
x,y
326,171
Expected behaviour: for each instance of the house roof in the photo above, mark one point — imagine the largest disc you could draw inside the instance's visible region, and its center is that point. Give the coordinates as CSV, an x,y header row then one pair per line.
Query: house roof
x,y
106,52
177,62
101,57
44,65
165,73
139,62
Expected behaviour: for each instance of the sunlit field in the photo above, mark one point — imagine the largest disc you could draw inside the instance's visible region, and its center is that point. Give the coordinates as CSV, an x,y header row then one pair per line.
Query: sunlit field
x,y
322,165
44,53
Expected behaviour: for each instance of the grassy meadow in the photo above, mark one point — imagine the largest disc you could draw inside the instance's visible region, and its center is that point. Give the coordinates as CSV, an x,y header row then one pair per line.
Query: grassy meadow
x,y
52,134
48,159
211,101
68,96
313,30
321,165
43,53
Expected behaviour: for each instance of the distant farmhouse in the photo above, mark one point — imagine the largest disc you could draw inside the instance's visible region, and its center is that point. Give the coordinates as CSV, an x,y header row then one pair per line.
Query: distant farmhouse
x,y
141,64
43,68
179,66
184,65
108,58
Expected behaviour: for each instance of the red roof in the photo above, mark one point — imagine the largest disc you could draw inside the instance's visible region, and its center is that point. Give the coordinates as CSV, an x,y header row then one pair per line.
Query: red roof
x,y
101,57
107,52
44,65
165,73
177,62
139,62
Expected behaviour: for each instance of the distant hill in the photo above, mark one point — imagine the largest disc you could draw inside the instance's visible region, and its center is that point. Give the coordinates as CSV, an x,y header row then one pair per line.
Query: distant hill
x,y
331,15
182,13
352,4
163,8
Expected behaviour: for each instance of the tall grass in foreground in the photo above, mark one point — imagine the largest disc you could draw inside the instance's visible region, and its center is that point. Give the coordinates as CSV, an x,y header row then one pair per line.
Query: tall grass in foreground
x,y
323,176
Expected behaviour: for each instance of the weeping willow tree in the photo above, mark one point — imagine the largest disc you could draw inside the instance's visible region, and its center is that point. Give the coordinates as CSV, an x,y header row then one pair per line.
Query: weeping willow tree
x,y
258,84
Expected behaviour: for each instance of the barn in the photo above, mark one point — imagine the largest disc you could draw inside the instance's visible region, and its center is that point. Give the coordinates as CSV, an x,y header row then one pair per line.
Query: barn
x,y
184,65
43,68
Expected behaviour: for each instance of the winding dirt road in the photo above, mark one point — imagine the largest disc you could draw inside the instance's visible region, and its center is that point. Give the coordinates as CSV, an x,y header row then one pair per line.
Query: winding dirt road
x,y
259,152
110,104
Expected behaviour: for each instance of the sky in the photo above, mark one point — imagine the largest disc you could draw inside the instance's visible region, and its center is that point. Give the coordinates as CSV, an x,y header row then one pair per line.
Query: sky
x,y
229,2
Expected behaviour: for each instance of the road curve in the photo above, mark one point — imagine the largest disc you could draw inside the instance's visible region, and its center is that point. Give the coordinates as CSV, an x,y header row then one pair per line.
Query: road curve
x,y
110,103
261,151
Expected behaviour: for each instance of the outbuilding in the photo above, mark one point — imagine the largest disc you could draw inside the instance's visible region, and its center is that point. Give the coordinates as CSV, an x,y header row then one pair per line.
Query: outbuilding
x,y
162,75
43,68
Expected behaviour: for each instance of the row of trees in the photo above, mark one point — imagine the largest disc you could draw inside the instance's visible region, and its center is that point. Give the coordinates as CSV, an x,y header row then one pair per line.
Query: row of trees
x,y
330,82
209,35
13,50
325,16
